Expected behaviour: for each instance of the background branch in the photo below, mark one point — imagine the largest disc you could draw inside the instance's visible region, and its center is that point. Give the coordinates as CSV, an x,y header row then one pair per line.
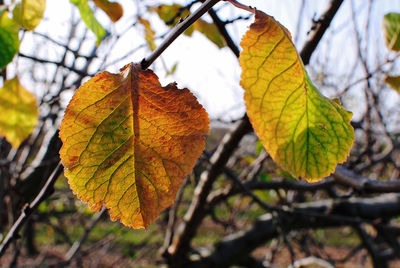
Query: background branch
x,y
327,213
177,31
30,208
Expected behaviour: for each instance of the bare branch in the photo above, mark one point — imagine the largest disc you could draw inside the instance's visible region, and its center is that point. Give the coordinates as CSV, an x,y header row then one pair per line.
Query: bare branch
x,y
361,184
222,30
177,31
197,209
57,63
326,213
78,244
318,30
30,208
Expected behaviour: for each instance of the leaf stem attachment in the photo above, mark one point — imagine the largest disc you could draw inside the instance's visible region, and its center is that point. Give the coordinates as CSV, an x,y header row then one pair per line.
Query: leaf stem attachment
x,y
241,6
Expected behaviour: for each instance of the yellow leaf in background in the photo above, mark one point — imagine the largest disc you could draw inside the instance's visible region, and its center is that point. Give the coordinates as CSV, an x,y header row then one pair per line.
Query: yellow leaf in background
x,y
29,13
303,131
391,30
171,14
18,112
113,10
128,143
210,31
394,82
149,33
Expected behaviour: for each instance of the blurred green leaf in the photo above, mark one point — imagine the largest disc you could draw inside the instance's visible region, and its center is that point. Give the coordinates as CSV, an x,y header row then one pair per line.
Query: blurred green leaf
x,y
89,19
391,30
173,69
265,177
9,41
259,147
210,31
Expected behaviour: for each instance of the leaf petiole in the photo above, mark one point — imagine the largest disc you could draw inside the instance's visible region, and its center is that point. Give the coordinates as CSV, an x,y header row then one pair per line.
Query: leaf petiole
x,y
241,6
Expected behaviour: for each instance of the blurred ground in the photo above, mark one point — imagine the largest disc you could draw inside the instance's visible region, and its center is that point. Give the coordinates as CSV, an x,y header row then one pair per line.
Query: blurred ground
x,y
140,249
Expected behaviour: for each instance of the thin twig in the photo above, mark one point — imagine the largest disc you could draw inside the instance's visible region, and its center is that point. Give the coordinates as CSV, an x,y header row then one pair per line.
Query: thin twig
x,y
222,30
52,62
316,34
169,233
30,208
78,244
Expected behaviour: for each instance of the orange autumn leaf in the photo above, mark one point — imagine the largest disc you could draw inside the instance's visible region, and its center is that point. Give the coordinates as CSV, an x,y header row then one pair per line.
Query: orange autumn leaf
x,y
128,143
113,10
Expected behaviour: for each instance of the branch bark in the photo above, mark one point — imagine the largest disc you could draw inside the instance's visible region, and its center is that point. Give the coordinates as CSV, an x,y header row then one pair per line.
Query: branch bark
x,y
74,249
326,213
177,31
318,30
348,178
177,251
30,208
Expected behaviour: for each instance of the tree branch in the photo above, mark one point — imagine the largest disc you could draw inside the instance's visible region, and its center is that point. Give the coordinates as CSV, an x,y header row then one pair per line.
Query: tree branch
x,y
60,64
361,184
177,31
222,30
30,208
197,210
326,213
318,30
73,250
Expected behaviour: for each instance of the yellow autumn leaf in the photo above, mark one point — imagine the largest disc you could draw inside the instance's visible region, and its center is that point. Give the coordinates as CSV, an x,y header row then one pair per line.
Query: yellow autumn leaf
x,y
210,31
90,20
18,110
172,14
113,10
304,132
128,143
148,33
394,82
29,13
